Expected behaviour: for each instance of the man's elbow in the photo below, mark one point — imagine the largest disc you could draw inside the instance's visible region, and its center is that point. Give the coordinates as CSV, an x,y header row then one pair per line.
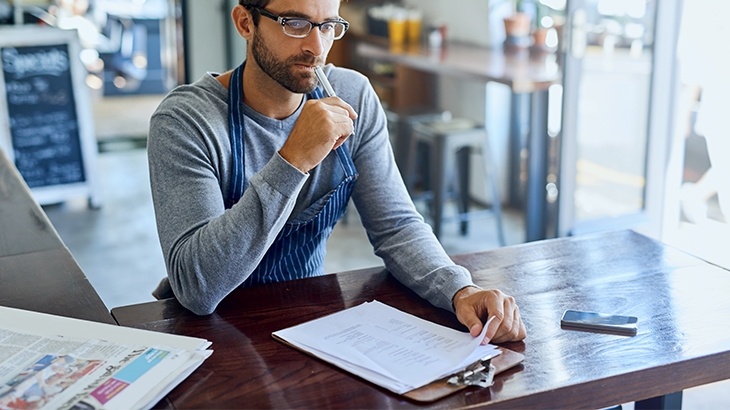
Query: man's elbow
x,y
194,297
197,305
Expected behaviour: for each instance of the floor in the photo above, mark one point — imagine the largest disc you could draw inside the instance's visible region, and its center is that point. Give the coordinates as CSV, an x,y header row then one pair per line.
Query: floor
x,y
117,246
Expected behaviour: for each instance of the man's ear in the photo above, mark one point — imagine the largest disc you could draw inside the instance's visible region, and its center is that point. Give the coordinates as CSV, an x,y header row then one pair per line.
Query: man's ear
x,y
243,21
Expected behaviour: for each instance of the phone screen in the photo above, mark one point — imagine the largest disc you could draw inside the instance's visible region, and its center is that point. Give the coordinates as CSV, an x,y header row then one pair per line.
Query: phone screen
x,y
599,321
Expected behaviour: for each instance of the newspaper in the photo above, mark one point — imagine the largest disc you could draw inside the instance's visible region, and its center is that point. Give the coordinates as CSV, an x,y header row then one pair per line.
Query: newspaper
x,y
59,372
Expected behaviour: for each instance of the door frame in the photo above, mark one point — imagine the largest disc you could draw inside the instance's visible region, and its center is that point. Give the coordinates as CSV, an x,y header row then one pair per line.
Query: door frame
x,y
662,108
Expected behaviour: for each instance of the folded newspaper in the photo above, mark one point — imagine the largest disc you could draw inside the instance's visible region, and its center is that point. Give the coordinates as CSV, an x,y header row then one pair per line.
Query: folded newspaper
x,y
53,362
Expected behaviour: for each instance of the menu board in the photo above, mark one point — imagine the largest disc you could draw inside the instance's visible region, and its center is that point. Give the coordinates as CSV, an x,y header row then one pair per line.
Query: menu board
x,y
42,112
46,123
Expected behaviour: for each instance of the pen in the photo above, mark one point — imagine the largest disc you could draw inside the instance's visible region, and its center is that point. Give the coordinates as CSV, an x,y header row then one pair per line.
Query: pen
x,y
324,82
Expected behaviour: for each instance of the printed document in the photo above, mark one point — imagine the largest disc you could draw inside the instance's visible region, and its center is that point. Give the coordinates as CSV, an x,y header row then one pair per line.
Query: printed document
x,y
388,347
53,362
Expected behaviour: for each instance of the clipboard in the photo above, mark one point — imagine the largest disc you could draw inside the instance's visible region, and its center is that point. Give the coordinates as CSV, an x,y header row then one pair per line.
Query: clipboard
x,y
469,377
309,338
453,383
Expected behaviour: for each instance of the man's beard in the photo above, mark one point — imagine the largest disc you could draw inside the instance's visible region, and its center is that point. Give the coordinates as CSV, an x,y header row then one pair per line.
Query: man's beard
x,y
281,71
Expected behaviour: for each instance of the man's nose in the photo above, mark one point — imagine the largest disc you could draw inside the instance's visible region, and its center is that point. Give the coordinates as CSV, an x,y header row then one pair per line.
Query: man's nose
x,y
314,43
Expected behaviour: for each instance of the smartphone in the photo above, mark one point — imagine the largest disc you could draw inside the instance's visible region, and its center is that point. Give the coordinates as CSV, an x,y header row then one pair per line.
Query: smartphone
x,y
601,322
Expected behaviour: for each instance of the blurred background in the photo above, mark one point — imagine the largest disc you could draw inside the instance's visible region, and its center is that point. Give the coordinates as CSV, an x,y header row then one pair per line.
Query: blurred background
x,y
600,115
629,90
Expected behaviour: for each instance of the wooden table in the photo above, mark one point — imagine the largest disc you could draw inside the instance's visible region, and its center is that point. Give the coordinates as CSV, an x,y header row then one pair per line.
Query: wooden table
x,y
681,301
37,271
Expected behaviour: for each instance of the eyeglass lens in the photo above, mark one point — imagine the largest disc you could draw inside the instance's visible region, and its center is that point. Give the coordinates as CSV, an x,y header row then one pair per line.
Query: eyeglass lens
x,y
302,28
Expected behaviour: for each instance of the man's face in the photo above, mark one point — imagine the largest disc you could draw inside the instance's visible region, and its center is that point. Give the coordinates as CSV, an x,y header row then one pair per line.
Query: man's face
x,y
291,61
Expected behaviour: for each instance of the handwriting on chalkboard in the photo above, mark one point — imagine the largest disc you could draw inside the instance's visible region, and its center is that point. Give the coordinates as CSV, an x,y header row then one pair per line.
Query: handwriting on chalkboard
x,y
43,122
51,61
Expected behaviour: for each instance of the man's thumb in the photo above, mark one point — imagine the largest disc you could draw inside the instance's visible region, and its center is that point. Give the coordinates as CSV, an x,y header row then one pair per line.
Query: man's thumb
x,y
474,324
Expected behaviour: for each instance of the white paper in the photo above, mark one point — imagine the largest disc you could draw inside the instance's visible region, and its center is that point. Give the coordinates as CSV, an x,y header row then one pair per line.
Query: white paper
x,y
42,370
50,325
388,347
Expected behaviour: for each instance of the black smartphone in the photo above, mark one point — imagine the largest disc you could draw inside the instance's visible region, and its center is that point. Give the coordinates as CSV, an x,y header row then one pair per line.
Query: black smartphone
x,y
601,322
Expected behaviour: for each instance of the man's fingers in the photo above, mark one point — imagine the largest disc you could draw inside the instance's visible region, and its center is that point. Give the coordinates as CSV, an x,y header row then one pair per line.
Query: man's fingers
x,y
511,328
472,322
341,117
336,102
504,322
339,142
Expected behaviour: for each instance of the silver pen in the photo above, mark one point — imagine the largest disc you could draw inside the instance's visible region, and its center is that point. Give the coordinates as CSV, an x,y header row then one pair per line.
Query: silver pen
x,y
324,82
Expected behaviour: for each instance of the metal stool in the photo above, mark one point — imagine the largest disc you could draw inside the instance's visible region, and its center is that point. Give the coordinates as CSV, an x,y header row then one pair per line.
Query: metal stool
x,y
449,146
400,128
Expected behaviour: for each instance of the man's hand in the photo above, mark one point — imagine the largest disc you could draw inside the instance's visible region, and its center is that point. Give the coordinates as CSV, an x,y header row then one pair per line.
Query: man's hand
x,y
473,306
323,125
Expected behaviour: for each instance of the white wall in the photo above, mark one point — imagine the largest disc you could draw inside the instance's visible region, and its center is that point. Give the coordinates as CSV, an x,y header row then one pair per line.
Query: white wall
x,y
208,35
238,44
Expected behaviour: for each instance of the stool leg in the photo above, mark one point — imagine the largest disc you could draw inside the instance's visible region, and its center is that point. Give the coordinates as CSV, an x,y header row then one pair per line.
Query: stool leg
x,y
497,207
463,157
440,162
488,162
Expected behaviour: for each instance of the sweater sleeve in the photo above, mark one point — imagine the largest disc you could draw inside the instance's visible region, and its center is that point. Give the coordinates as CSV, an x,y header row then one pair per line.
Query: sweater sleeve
x,y
396,230
208,250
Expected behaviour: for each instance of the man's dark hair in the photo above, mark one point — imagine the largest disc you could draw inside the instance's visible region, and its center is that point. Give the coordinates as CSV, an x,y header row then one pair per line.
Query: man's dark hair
x,y
254,11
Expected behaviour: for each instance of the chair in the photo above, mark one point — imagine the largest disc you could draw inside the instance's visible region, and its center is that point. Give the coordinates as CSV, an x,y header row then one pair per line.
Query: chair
x,y
446,173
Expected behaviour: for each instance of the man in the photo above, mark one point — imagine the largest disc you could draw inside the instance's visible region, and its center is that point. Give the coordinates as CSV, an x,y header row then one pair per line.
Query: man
x,y
257,204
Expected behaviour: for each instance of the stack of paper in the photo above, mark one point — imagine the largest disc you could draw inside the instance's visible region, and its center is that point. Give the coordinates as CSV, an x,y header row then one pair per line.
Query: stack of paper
x,y
55,362
385,346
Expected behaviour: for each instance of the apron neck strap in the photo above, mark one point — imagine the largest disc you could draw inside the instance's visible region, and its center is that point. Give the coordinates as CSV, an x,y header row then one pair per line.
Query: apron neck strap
x,y
237,132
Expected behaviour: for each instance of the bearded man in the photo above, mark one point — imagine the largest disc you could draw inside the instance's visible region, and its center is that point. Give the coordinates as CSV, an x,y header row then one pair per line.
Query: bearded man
x,y
251,169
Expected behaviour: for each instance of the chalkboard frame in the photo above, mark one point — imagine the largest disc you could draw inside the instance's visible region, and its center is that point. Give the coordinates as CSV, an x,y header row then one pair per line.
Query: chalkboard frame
x,y
33,36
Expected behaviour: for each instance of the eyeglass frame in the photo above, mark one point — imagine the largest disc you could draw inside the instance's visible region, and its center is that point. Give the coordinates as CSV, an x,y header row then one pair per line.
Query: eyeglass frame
x,y
283,20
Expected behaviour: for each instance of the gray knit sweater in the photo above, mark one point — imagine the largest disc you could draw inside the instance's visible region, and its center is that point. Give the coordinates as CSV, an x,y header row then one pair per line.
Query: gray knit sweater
x,y
209,251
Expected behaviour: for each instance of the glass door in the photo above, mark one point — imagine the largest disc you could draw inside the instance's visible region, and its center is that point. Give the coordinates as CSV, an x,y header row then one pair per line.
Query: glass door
x,y
619,76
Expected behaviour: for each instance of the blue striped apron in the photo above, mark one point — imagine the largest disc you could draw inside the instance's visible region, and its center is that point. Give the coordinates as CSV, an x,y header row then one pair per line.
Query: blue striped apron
x,y
299,248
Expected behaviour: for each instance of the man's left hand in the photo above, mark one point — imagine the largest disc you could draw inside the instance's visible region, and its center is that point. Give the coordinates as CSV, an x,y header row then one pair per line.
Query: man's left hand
x,y
473,306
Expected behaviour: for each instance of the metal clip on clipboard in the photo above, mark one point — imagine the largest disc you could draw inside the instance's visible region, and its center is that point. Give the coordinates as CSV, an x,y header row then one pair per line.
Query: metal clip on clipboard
x,y
479,374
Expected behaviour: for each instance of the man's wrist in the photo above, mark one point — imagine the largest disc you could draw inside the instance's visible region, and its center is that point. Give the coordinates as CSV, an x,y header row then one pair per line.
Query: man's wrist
x,y
464,292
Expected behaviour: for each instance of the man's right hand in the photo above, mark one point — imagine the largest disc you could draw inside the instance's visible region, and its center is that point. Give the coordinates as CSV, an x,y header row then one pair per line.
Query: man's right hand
x,y
323,125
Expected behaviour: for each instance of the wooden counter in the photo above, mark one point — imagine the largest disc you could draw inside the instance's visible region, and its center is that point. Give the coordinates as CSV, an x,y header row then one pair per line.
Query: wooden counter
x,y
681,302
37,271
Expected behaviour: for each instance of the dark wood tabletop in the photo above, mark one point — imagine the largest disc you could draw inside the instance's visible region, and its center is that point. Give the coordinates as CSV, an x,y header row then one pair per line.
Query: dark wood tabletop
x,y
37,272
681,302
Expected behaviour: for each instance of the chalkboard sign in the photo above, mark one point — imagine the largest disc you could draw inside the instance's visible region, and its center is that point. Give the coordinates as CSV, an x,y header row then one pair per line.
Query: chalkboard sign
x,y
47,112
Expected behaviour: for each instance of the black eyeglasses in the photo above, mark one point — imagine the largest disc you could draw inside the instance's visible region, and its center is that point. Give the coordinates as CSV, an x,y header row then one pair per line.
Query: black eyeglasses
x,y
300,27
